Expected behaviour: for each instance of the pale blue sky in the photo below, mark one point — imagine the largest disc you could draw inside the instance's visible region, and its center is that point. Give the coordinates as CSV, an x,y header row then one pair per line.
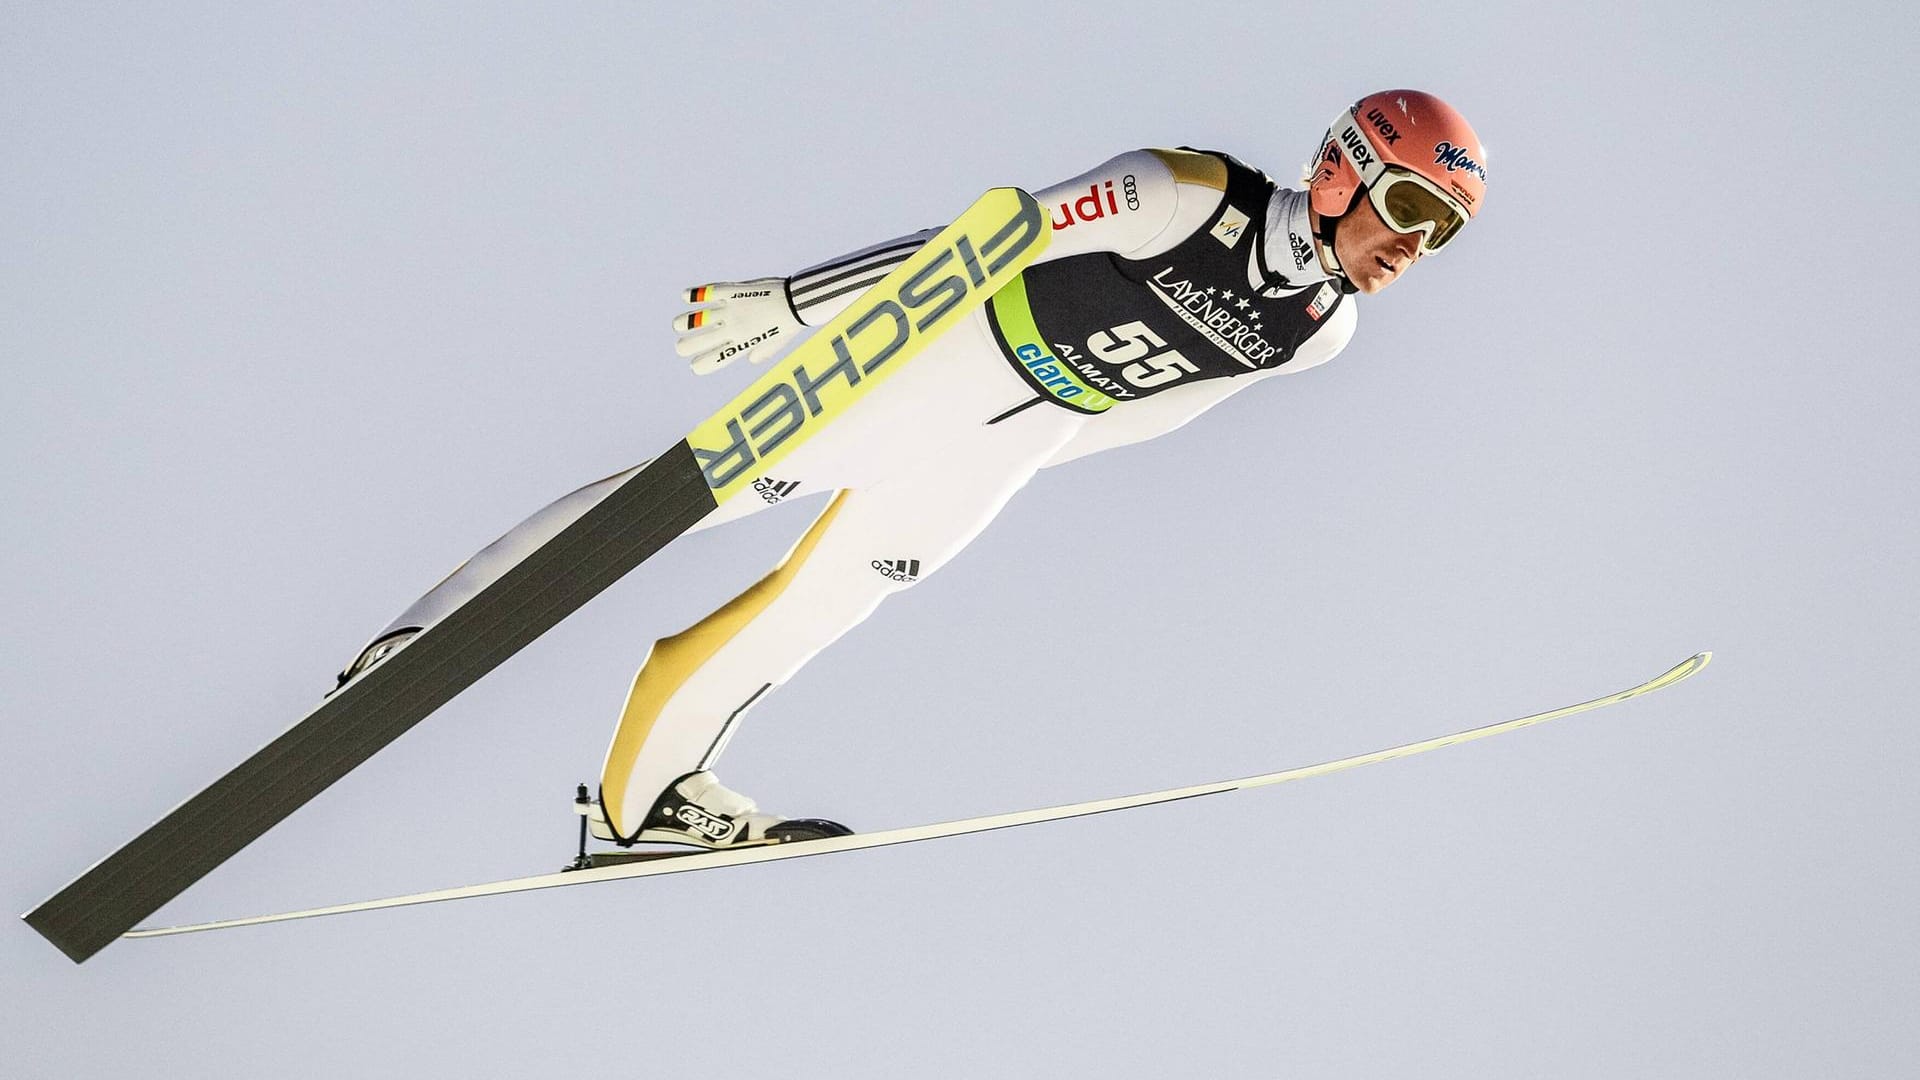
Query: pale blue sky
x,y
304,305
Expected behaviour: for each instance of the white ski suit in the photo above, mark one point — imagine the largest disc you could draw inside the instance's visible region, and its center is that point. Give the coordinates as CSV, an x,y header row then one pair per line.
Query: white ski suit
x,y
921,465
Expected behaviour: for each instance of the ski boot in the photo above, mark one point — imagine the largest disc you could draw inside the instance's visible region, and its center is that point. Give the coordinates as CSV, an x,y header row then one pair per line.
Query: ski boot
x,y
383,646
696,810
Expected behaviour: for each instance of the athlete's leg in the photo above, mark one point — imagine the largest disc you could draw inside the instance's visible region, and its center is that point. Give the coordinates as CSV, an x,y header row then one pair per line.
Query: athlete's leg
x,y
487,564
866,545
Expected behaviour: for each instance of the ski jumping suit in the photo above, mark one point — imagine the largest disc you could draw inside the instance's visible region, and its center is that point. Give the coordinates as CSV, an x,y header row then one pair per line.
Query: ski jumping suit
x,y
1174,279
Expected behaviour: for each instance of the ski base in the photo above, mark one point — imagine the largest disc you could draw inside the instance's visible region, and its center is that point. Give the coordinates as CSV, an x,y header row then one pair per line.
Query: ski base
x,y
988,245
635,520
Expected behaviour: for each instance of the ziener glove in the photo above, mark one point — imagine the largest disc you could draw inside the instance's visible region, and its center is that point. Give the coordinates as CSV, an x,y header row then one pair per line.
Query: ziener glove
x,y
736,318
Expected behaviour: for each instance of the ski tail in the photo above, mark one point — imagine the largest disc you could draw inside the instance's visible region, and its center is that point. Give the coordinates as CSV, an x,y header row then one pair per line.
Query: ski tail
x,y
985,247
378,707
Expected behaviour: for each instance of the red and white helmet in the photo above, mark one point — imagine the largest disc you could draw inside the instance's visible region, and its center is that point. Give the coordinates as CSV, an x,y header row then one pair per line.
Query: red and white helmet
x,y
1414,155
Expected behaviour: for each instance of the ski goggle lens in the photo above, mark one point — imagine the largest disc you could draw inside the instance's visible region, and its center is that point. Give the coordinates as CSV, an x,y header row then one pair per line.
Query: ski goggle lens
x,y
1408,205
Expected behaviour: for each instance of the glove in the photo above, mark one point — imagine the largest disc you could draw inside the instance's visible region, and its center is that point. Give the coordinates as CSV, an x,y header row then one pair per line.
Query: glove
x,y
737,318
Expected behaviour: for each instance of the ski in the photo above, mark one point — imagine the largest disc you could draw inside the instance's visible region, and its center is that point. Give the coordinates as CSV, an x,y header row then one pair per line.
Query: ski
x,y
628,866
984,248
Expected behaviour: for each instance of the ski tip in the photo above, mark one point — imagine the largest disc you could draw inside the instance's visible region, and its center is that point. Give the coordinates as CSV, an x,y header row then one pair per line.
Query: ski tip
x,y
1682,670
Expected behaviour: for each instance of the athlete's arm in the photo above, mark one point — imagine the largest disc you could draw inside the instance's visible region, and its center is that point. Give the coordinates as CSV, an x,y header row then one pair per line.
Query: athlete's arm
x,y
823,290
1137,421
1138,205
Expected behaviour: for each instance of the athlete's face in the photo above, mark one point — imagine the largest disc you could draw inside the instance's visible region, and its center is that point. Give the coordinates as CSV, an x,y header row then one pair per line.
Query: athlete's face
x,y
1373,255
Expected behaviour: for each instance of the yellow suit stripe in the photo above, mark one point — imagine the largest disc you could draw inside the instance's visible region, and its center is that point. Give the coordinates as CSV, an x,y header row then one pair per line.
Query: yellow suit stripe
x,y
675,659
1191,168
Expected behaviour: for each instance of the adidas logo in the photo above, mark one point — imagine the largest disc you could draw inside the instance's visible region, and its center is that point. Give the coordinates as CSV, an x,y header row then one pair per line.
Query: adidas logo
x,y
898,569
774,490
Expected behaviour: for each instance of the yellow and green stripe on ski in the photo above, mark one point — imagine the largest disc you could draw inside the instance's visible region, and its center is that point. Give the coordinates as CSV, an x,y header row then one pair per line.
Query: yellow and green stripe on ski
x,y
985,248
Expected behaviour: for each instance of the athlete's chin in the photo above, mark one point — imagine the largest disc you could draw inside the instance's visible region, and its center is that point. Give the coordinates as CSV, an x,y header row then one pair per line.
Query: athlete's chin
x,y
1375,282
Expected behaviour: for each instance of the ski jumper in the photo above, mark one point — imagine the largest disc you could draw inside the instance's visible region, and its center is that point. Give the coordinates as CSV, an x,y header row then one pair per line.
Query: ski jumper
x,y
1174,279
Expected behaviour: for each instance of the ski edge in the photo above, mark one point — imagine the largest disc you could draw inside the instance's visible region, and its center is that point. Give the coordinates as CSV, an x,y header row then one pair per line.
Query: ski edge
x,y
965,826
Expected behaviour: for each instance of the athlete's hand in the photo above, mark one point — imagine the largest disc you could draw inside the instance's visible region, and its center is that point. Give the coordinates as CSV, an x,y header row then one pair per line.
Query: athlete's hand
x,y
735,318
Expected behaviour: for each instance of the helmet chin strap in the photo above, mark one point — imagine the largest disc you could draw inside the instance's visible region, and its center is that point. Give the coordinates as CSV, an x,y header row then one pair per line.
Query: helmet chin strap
x,y
1324,230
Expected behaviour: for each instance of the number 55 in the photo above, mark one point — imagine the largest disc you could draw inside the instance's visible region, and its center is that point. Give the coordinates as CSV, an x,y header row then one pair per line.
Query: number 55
x,y
1133,344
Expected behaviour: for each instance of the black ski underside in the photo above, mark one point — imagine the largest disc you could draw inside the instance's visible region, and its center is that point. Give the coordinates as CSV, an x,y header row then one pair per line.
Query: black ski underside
x,y
638,518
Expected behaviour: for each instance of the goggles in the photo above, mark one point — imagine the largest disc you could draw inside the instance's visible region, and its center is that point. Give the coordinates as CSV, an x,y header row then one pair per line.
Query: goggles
x,y
1405,200
1410,203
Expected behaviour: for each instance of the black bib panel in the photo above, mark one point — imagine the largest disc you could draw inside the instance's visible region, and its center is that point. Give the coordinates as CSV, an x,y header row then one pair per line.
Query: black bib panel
x,y
1092,330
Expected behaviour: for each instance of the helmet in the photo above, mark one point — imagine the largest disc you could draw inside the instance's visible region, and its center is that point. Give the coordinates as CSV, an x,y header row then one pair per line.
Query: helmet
x,y
1412,154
